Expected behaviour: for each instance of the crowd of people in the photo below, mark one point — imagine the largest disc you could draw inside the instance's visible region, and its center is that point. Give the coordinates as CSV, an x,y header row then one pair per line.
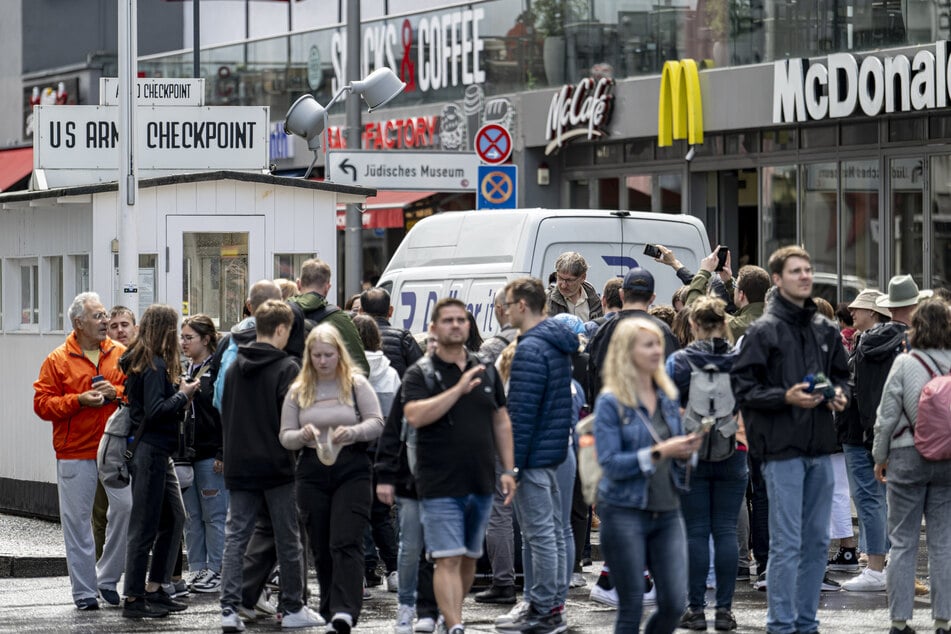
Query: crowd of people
x,y
734,429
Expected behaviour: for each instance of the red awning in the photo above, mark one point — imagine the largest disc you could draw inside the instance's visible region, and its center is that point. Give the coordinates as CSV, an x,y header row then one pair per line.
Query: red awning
x,y
15,165
383,211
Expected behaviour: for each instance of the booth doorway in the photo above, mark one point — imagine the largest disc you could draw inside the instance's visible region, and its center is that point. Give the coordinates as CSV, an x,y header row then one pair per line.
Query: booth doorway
x,y
212,261
728,203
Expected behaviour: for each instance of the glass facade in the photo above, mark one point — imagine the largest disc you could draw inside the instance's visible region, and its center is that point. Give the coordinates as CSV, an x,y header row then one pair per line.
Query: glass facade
x,y
513,45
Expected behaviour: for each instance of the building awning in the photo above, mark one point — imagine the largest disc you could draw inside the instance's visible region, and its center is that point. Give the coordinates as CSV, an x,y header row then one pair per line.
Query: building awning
x,y
15,165
383,211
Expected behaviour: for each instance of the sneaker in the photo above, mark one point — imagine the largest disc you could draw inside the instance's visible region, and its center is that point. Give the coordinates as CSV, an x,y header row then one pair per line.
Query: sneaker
x,y
535,623
88,603
693,619
921,588
869,581
366,591
457,629
604,596
373,579
426,625
176,589
305,617
142,609
503,595
264,607
724,620
342,622
405,615
230,621
743,573
393,581
577,580
247,614
110,596
845,560
515,614
162,599
906,630
198,577
274,583
650,591
760,583
210,582
830,585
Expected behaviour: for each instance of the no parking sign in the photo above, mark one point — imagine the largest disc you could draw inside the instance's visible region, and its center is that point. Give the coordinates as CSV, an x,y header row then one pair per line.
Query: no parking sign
x,y
498,187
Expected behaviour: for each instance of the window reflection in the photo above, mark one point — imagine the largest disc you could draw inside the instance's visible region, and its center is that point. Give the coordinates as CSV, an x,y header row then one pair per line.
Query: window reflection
x,y
780,194
907,212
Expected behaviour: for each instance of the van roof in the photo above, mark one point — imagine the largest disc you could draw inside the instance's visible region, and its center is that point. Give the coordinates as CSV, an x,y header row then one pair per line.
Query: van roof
x,y
496,235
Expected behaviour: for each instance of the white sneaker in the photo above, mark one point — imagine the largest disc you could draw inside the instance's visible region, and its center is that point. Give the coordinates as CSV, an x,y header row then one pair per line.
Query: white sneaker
x,y
518,613
604,597
264,607
305,617
210,582
247,614
405,615
230,621
577,580
393,581
868,581
426,625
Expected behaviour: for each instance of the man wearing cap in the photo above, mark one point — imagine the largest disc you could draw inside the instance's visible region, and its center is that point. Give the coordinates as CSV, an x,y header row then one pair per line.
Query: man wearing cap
x,y
637,294
789,425
874,354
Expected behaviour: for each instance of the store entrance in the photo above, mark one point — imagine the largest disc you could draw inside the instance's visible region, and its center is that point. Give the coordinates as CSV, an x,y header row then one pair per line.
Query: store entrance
x,y
728,203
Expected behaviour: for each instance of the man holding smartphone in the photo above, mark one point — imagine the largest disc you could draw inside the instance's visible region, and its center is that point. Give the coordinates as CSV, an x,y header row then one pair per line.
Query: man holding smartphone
x,y
748,291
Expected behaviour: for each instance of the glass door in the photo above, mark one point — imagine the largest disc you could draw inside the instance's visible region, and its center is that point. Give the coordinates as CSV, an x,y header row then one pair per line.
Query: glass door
x,y
212,260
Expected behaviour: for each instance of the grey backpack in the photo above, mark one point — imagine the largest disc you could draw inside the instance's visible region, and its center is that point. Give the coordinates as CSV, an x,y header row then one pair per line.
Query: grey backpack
x,y
711,404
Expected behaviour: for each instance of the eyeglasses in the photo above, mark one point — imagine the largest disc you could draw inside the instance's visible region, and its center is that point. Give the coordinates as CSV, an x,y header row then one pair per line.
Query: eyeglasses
x,y
100,316
514,301
189,337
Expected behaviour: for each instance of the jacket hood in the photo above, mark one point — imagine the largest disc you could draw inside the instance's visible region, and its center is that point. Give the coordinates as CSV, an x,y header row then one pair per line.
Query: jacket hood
x,y
255,357
379,364
309,301
555,334
717,351
789,312
880,342
244,331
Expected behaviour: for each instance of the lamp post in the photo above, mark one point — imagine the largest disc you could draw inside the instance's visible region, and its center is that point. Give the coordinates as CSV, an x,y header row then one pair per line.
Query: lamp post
x,y
128,171
353,235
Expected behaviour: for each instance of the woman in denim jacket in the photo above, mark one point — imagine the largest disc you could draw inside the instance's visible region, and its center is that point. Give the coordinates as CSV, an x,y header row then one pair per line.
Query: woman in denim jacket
x,y
641,449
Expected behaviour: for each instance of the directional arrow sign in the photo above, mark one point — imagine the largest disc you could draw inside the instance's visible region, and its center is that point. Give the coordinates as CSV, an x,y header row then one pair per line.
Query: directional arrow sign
x,y
420,171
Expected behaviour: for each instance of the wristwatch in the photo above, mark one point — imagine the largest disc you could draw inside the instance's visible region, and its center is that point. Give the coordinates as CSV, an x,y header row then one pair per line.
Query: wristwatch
x,y
511,472
656,455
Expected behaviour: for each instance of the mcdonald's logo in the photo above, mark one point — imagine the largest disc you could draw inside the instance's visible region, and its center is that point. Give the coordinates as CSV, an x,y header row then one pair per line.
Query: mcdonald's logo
x,y
679,107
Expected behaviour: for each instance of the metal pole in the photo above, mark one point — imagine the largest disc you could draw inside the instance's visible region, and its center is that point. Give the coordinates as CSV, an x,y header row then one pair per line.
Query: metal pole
x,y
196,39
353,241
128,171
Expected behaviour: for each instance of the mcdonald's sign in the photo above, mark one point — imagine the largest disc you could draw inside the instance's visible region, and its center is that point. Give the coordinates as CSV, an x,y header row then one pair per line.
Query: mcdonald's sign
x,y
679,107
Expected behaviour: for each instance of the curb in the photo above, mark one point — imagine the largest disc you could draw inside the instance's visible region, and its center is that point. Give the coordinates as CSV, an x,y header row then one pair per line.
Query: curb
x,y
24,567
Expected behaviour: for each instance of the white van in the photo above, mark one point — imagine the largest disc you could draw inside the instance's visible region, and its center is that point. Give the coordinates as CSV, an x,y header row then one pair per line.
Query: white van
x,y
473,254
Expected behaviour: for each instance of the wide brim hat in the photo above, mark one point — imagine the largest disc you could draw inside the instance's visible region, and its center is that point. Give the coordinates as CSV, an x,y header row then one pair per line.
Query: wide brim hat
x,y
902,291
866,299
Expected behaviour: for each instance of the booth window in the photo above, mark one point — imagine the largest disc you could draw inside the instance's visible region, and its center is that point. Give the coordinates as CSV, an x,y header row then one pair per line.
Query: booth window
x,y
80,267
29,294
54,267
287,265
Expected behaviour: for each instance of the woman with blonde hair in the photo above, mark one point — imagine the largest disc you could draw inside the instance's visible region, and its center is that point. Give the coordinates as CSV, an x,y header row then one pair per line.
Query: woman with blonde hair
x,y
641,449
332,409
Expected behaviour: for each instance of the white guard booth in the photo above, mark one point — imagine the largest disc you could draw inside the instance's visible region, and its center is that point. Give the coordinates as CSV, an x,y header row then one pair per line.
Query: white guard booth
x,y
203,238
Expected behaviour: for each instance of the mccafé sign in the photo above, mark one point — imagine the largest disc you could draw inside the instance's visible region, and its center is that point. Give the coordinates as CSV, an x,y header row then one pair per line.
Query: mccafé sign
x,y
843,85
582,110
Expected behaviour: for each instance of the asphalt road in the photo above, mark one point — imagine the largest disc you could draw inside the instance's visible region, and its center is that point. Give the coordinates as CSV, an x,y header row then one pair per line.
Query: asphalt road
x,y
45,605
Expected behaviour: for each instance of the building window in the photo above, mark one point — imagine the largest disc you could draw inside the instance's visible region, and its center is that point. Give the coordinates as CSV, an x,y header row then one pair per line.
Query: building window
x,y
820,232
780,196
54,267
29,294
80,265
287,265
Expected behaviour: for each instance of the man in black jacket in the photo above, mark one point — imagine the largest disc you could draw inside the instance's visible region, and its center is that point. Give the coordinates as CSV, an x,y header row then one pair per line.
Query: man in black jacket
x,y
788,409
258,470
399,346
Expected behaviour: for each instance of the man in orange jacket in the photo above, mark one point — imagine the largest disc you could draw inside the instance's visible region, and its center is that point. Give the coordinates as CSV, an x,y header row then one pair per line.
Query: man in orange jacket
x,y
77,390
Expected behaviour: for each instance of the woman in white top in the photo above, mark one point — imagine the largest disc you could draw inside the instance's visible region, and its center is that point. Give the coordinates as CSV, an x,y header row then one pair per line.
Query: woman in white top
x,y
332,409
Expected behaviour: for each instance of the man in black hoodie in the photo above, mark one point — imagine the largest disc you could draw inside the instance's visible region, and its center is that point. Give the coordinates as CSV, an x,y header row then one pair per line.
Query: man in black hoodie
x,y
258,470
789,426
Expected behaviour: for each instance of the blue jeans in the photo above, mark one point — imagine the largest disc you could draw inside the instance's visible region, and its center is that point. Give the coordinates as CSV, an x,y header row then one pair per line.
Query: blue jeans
x,y
633,539
800,504
411,545
156,520
565,475
538,510
869,497
280,504
206,510
710,508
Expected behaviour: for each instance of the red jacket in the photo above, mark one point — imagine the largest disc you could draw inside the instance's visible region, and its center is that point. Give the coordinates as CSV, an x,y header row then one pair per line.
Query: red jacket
x,y
66,373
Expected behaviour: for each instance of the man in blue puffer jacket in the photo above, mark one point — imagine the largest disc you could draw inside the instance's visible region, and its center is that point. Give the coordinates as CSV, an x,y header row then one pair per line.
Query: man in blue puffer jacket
x,y
540,408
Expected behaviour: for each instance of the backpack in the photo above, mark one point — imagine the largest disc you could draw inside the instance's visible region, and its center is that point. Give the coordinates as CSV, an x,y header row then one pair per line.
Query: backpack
x,y
933,425
711,402
115,450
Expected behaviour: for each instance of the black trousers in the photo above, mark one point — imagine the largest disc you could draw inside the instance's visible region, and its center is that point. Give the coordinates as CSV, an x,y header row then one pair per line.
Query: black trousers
x,y
759,518
335,508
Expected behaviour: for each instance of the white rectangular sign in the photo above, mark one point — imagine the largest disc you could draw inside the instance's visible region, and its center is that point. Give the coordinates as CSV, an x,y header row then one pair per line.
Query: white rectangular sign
x,y
420,171
156,91
170,138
